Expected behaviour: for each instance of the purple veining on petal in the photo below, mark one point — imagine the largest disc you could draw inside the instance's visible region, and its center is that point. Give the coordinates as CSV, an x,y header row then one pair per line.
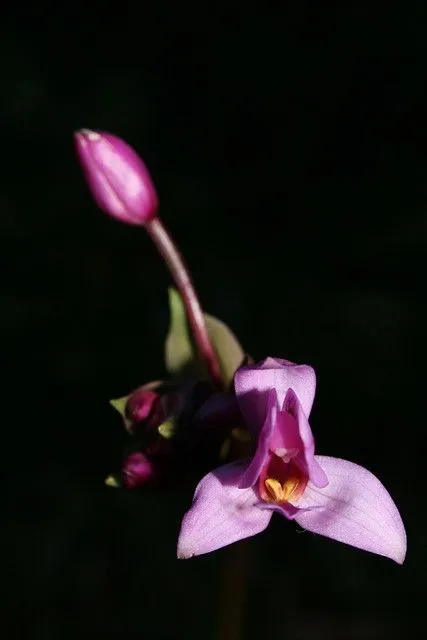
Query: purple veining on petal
x,y
221,513
355,509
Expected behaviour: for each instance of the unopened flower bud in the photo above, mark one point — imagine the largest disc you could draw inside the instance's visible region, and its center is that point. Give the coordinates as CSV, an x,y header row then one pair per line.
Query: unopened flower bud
x,y
137,470
150,405
117,177
142,405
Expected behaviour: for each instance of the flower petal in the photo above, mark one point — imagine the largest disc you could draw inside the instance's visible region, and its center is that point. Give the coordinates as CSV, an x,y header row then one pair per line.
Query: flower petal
x,y
356,509
251,475
286,440
314,471
221,513
254,383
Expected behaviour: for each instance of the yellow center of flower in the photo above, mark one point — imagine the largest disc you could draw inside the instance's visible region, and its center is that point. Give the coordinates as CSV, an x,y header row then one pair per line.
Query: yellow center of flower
x,y
278,493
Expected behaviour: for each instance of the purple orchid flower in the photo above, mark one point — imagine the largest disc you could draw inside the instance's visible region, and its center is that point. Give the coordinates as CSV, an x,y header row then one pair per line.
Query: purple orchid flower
x,y
329,496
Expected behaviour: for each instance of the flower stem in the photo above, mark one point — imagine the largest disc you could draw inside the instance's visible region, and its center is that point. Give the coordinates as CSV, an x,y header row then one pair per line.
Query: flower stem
x,y
232,590
180,273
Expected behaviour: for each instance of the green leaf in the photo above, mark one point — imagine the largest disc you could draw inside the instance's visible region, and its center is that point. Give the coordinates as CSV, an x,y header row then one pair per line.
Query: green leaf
x,y
227,347
181,356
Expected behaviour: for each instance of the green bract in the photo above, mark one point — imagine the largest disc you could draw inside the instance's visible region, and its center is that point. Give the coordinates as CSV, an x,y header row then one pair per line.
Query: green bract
x,y
181,356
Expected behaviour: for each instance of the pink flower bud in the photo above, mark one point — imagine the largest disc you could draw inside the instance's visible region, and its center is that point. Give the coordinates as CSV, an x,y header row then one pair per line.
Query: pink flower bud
x,y
137,470
142,405
151,405
117,177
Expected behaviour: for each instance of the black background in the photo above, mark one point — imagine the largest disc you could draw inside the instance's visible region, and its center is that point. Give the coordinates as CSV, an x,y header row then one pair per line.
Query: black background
x,y
288,149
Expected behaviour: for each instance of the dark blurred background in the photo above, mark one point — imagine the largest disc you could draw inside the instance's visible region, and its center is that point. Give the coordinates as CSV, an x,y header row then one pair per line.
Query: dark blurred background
x,y
287,147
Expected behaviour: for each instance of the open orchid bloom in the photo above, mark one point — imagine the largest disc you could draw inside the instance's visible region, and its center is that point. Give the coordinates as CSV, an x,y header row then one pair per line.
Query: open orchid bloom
x,y
325,495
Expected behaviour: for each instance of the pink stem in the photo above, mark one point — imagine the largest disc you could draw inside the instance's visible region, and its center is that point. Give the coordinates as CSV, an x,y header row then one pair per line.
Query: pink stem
x,y
171,255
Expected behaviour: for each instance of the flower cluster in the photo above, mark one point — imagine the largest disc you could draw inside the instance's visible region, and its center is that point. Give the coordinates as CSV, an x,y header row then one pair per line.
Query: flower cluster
x,y
244,427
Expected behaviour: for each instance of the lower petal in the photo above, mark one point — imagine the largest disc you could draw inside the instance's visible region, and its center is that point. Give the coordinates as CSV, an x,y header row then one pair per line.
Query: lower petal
x,y
355,508
221,513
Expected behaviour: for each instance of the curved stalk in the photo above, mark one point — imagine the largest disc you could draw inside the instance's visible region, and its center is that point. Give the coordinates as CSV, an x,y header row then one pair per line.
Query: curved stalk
x,y
180,273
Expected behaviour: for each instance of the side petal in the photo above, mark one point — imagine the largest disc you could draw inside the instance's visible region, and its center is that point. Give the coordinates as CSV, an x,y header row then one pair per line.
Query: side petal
x,y
307,458
355,509
254,383
221,513
259,460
